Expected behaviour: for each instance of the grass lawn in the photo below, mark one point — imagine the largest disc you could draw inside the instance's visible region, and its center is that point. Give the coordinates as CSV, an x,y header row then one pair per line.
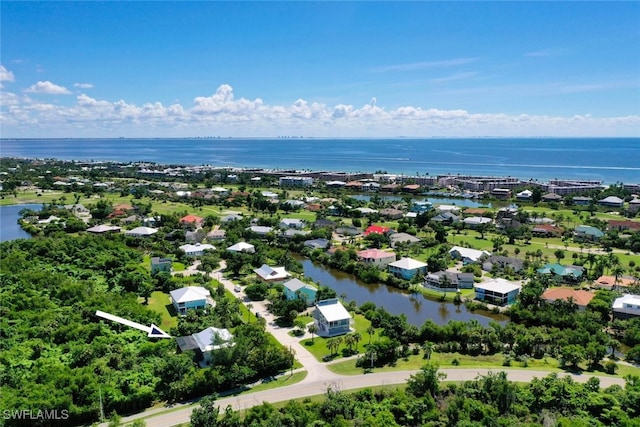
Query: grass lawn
x,y
281,381
159,302
318,346
446,361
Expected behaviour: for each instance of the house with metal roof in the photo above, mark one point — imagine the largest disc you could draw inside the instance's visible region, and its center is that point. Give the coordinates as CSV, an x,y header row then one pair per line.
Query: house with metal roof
x,y
297,289
196,249
611,201
190,298
626,307
331,318
205,343
407,268
468,255
497,291
242,247
449,280
141,232
587,233
566,273
578,296
272,274
376,257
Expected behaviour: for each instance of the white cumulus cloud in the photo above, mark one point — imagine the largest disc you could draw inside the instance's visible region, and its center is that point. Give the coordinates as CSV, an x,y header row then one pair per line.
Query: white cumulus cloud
x,y
6,75
48,88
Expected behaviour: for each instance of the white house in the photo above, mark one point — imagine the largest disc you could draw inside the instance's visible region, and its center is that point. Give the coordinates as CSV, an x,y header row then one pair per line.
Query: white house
x,y
197,249
242,247
448,208
260,230
331,318
497,291
626,307
205,343
476,221
468,255
141,232
190,297
291,223
99,229
407,268
271,274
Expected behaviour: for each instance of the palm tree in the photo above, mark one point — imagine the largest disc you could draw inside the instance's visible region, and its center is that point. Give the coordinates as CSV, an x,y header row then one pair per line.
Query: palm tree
x,y
249,307
331,343
427,347
371,330
338,342
348,341
356,338
313,329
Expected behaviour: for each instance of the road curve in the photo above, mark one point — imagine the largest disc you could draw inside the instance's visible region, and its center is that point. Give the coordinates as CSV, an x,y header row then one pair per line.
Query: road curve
x,y
305,389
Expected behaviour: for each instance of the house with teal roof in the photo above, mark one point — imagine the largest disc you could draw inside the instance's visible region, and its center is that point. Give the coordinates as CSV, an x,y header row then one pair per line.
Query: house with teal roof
x,y
587,233
297,289
565,273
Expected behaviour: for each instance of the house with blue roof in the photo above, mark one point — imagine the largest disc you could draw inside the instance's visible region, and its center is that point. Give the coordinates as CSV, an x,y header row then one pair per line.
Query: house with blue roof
x,y
587,233
297,289
564,273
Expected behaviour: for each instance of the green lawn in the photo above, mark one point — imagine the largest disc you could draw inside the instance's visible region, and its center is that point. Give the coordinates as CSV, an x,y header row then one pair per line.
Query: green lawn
x,y
160,303
446,360
318,346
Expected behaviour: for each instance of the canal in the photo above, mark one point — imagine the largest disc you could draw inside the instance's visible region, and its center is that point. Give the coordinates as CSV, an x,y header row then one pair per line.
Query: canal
x,y
9,227
417,308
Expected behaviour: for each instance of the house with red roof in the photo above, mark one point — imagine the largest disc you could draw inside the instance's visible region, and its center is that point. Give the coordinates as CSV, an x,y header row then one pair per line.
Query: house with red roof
x,y
192,220
623,225
376,257
411,188
546,230
377,229
579,297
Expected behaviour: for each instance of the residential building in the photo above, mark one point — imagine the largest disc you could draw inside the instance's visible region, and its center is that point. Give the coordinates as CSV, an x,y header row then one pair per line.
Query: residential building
x,y
581,201
190,298
160,264
624,225
546,230
497,291
565,273
395,238
376,229
449,280
218,234
476,221
634,205
611,201
260,230
468,255
551,197
579,297
292,232
101,229
141,232
446,218
499,261
613,284
271,274
205,343
524,195
242,247
421,206
331,318
626,307
391,213
296,181
501,193
196,249
587,233
407,268
297,289
317,243
231,217
192,220
291,223
448,208
376,257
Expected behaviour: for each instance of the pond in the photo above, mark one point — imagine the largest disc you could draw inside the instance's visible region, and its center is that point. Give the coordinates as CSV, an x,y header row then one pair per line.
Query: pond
x,y
9,227
417,308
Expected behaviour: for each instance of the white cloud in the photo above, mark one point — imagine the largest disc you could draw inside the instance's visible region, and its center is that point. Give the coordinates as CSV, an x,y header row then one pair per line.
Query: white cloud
x,y
454,77
48,88
6,75
546,52
83,85
421,65
222,113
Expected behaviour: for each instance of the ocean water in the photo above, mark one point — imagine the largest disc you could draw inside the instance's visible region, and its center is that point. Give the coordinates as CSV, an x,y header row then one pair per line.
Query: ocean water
x,y
606,159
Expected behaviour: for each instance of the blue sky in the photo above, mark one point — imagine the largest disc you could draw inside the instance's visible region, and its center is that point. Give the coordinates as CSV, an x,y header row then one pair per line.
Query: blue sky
x,y
320,68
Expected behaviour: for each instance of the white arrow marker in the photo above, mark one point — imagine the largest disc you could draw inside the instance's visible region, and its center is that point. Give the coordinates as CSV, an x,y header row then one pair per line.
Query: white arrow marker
x,y
152,331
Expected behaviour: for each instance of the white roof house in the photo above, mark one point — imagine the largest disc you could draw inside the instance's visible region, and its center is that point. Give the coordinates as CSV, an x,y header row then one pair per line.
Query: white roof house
x,y
498,285
468,254
333,312
141,231
103,229
271,274
448,208
291,223
627,306
366,211
213,339
197,249
189,294
408,264
474,221
260,229
242,247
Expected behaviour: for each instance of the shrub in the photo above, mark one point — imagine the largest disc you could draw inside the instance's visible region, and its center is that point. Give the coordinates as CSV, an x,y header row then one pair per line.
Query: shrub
x,y
611,367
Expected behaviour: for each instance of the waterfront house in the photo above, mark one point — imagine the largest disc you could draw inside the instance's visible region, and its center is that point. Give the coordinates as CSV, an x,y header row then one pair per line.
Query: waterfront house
x,y
613,284
449,280
205,343
497,291
448,208
421,206
190,298
159,264
297,289
588,233
579,297
196,249
626,307
271,274
141,232
611,201
524,195
391,213
564,273
411,188
317,243
331,318
407,268
501,193
376,257
468,255
242,247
